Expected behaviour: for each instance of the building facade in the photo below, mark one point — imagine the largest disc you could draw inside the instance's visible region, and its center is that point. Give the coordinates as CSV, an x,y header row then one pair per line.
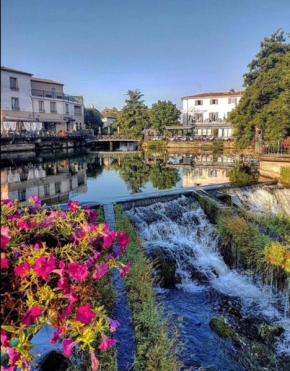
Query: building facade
x,y
34,105
108,120
209,112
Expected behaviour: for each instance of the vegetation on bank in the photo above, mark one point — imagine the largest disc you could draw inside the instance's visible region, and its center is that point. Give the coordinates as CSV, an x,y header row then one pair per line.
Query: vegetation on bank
x,y
156,351
266,101
285,175
251,249
278,224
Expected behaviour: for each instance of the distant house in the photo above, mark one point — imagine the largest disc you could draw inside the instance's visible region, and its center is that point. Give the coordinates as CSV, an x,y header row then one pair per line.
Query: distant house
x,y
108,120
209,112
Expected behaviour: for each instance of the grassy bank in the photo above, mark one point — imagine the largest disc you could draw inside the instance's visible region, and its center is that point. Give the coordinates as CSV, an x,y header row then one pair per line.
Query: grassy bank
x,y
155,350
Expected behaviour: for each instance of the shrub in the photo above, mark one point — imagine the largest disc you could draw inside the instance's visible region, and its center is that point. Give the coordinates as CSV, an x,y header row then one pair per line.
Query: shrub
x,y
52,263
285,175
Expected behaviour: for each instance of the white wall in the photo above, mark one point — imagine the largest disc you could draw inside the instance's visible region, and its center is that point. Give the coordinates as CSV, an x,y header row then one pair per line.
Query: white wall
x,y
23,94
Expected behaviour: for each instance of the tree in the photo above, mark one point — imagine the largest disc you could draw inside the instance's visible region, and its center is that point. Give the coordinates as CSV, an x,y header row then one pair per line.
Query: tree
x,y
163,113
266,100
134,117
162,177
93,119
110,112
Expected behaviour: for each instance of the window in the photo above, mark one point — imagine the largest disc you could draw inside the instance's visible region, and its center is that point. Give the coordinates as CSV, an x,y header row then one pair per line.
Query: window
x,y
198,117
198,102
214,101
13,83
15,103
46,189
53,107
213,116
57,187
66,109
232,100
22,195
41,106
78,110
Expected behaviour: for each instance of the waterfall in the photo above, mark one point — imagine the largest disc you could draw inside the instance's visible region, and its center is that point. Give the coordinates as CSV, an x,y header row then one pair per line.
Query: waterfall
x,y
262,199
180,230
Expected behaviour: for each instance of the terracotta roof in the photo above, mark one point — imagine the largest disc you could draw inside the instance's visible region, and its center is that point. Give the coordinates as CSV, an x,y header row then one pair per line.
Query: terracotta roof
x,y
215,94
108,116
46,81
16,71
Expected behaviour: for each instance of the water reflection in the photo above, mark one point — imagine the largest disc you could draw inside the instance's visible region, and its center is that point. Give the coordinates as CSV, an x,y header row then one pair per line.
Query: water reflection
x,y
104,176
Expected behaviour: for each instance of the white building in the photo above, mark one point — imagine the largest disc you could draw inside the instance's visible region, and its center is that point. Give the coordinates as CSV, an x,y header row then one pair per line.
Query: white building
x,y
209,112
108,120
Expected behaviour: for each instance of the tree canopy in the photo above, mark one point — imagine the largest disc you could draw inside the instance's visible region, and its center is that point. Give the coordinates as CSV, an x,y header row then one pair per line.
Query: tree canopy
x,y
93,119
163,113
134,116
266,100
110,111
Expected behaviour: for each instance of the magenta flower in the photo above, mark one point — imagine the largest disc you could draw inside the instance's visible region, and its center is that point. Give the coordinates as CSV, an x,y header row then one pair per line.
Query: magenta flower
x,y
122,240
35,200
100,271
106,343
14,356
78,235
113,324
5,237
78,271
72,299
4,339
7,202
68,345
30,316
43,266
125,270
64,284
91,215
56,335
94,362
73,205
85,314
26,225
22,270
4,263
109,239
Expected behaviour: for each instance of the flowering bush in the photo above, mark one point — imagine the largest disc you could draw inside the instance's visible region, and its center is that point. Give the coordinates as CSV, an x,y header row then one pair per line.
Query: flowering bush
x,y
50,260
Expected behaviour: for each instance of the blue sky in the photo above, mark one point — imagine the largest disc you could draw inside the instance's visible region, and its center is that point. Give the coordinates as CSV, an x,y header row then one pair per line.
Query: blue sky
x,y
166,48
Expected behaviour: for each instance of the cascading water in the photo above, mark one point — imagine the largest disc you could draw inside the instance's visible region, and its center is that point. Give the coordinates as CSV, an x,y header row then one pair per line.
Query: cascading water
x,y
262,199
180,230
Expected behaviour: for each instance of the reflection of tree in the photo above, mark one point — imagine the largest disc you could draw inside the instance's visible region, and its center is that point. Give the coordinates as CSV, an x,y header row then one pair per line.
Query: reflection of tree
x,y
94,169
162,177
242,175
134,172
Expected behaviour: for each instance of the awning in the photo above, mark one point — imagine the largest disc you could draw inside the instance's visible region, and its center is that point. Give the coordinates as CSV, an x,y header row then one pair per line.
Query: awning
x,y
67,118
10,118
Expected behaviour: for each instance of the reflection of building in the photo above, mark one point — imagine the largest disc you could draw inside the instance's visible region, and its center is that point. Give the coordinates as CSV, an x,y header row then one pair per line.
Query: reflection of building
x,y
52,182
209,112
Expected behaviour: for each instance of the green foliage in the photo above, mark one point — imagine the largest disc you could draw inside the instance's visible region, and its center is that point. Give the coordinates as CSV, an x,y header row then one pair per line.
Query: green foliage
x,y
156,143
223,329
285,175
134,116
279,224
93,119
266,100
241,176
209,207
163,113
155,350
162,177
114,112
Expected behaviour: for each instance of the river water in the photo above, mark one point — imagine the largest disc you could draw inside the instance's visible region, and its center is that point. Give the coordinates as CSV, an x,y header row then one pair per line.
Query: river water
x,y
179,228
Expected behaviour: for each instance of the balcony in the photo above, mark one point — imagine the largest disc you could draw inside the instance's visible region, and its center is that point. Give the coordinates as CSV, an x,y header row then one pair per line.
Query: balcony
x,y
56,95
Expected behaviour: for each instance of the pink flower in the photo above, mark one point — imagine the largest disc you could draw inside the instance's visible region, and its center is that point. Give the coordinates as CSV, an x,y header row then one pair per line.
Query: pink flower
x,y
78,235
78,271
106,343
100,271
35,200
94,361
43,266
109,239
22,270
7,202
30,316
122,240
113,324
72,299
91,215
68,345
14,356
64,284
125,270
26,225
85,314
56,335
5,237
73,205
4,339
4,263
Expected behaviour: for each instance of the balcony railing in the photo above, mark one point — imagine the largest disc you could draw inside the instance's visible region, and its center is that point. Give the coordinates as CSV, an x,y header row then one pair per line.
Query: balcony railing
x,y
56,95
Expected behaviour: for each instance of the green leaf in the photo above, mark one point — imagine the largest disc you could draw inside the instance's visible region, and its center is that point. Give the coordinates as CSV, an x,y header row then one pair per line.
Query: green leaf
x,y
8,328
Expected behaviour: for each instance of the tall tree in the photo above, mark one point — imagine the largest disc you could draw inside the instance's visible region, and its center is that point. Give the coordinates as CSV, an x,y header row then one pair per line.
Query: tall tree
x,y
134,117
266,100
93,119
110,111
163,113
